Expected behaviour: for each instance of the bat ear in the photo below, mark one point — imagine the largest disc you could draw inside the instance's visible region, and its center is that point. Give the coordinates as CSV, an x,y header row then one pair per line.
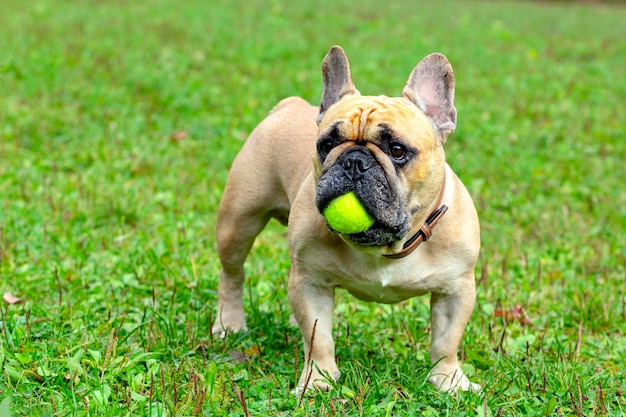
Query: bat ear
x,y
337,80
431,88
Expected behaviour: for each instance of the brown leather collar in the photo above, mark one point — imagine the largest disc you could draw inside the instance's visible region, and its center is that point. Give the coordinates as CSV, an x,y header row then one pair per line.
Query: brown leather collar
x,y
426,231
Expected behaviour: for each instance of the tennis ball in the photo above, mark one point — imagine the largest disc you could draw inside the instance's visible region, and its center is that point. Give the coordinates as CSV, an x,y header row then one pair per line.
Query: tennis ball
x,y
346,215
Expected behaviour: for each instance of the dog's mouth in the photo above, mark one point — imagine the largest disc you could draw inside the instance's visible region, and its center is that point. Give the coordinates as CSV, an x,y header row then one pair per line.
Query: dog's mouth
x,y
389,227
358,171
379,235
391,222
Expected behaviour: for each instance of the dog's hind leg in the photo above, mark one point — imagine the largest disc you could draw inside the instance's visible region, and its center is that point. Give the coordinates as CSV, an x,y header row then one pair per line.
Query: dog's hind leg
x,y
237,227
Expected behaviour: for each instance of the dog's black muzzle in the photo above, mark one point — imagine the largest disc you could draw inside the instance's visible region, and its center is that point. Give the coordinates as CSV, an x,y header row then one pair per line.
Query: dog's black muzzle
x,y
358,170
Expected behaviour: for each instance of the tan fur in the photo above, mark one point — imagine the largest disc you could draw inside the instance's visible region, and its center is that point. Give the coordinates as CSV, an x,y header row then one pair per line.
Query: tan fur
x,y
275,175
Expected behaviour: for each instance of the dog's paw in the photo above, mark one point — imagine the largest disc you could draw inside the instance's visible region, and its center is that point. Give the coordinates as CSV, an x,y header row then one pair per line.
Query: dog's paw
x,y
320,380
318,385
225,325
222,331
453,382
314,386
473,387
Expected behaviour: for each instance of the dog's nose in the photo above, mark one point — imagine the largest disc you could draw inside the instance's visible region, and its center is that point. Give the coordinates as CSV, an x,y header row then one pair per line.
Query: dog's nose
x,y
356,163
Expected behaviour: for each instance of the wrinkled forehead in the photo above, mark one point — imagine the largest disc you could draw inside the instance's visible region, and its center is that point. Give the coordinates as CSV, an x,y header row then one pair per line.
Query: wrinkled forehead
x,y
361,117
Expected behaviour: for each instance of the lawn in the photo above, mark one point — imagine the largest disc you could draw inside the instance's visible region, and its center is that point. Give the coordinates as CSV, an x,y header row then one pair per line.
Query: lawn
x,y
119,121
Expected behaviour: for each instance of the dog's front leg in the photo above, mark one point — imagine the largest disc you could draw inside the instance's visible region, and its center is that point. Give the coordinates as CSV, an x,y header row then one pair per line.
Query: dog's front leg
x,y
449,315
312,307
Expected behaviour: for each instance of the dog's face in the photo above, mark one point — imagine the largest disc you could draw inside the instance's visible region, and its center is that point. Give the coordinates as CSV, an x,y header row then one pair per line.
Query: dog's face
x,y
386,150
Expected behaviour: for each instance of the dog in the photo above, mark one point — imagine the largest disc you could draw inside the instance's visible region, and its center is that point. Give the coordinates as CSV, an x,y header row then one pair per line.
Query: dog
x,y
389,152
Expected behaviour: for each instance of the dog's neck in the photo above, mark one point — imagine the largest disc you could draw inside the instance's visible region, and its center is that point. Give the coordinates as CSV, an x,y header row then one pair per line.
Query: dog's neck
x,y
426,230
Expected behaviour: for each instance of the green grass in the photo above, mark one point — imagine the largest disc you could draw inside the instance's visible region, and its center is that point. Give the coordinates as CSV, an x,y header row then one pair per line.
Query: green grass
x,y
107,211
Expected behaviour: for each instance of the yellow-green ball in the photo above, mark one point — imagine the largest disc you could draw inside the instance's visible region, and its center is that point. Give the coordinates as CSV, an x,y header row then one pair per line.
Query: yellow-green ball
x,y
346,215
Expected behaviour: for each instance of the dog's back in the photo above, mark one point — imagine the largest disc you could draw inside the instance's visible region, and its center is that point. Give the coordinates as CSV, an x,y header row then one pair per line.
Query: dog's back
x,y
276,149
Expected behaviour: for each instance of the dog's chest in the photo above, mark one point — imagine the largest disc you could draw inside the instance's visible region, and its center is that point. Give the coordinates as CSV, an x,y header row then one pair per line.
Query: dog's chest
x,y
382,281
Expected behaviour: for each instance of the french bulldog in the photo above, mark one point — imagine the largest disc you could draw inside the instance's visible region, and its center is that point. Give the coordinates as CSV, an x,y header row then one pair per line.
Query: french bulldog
x,y
389,152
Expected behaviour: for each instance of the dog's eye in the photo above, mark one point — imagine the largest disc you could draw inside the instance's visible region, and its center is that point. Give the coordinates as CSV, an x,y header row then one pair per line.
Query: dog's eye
x,y
326,146
397,151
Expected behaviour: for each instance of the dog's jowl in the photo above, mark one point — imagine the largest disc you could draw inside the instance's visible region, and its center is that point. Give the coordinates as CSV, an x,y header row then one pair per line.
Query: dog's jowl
x,y
389,152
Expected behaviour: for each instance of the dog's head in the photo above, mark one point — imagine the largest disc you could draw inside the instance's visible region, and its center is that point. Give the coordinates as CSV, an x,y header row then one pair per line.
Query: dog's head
x,y
387,150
